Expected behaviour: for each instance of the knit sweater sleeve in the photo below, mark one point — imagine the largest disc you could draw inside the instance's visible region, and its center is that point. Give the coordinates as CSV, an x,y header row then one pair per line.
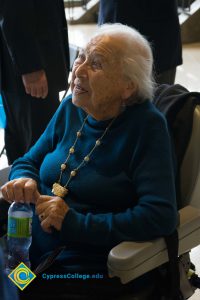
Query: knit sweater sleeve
x,y
29,165
155,213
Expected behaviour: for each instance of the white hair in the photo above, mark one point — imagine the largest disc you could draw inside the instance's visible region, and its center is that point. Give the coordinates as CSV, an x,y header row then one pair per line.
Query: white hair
x,y
137,58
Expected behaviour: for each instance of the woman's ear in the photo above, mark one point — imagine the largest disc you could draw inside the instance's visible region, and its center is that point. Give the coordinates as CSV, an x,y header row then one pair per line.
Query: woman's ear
x,y
129,89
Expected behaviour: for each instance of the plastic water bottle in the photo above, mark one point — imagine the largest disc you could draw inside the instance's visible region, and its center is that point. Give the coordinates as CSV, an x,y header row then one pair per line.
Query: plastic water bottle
x,y
19,234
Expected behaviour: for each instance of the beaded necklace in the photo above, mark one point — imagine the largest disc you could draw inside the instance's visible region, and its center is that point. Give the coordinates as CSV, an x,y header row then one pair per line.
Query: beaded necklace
x,y
62,190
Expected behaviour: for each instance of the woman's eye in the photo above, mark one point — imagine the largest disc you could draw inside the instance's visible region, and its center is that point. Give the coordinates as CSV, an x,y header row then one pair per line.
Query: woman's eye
x,y
96,64
79,60
80,57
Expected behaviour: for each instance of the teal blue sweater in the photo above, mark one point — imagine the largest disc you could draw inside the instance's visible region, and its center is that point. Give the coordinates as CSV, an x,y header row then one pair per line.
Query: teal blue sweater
x,y
125,193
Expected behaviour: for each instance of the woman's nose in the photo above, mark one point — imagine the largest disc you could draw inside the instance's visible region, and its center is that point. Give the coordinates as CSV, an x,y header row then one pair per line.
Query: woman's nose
x,y
81,70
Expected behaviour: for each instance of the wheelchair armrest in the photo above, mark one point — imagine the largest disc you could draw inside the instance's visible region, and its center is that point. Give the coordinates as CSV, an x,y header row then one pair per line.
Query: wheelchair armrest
x,y
129,260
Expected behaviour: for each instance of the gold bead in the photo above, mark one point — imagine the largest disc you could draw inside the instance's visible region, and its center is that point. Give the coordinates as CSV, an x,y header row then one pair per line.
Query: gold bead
x,y
86,158
98,142
63,167
73,173
78,133
71,150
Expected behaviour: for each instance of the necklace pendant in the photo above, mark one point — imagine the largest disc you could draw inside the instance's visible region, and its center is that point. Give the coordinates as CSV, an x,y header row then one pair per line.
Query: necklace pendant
x,y
59,190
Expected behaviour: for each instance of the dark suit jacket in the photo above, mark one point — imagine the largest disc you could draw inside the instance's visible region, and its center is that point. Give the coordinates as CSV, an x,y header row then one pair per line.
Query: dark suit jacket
x,y
33,36
155,19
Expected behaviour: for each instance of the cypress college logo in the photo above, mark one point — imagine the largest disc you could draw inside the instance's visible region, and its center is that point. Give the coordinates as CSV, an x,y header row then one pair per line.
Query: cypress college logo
x,y
22,276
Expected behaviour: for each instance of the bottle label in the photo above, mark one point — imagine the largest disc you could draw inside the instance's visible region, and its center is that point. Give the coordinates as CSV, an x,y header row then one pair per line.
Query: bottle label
x,y
19,227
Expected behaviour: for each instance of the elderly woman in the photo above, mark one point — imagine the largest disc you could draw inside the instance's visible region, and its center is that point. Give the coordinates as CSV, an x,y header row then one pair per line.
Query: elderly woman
x,y
102,172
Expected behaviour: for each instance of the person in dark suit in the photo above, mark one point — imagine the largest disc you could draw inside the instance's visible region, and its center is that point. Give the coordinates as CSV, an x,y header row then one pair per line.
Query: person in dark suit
x,y
158,21
34,65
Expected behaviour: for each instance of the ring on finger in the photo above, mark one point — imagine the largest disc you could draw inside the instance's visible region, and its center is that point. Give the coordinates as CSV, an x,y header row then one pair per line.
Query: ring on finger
x,y
41,217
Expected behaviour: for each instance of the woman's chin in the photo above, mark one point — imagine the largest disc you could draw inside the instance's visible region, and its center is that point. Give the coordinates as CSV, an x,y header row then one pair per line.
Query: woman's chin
x,y
77,101
80,97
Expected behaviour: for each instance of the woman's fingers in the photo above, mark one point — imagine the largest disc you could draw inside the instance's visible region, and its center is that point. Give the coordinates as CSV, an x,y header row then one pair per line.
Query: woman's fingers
x,y
20,190
45,204
8,191
36,196
5,193
41,207
51,212
52,221
42,199
30,191
46,224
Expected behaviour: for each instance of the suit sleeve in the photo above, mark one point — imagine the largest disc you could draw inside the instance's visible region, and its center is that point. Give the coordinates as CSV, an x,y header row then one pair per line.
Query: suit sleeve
x,y
19,19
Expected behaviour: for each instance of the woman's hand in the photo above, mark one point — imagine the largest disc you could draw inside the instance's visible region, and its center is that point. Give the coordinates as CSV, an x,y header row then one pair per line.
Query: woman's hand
x,y
51,211
20,190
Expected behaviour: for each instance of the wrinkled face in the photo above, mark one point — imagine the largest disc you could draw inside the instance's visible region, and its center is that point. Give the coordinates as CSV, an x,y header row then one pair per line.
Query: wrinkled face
x,y
97,84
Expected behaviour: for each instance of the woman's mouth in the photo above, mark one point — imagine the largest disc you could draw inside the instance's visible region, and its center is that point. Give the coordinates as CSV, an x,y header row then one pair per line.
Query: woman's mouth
x,y
79,89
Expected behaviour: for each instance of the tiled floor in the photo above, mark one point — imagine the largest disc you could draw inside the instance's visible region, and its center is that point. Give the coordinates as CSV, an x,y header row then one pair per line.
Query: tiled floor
x,y
188,75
